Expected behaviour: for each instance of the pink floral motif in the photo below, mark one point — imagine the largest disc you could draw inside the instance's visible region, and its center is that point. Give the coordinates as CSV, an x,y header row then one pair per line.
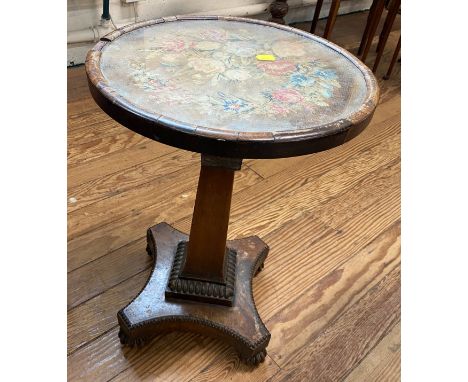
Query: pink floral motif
x,y
286,48
214,34
277,68
277,109
287,95
175,45
193,69
206,65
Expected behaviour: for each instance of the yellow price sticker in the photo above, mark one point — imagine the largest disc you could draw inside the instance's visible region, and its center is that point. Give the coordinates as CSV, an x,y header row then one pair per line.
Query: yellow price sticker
x,y
265,57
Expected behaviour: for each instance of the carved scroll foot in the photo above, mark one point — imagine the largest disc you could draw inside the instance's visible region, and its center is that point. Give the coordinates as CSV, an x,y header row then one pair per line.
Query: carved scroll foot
x,y
152,312
150,244
260,268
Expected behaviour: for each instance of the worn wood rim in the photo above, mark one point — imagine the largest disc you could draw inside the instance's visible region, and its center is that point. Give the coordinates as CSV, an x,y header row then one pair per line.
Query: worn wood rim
x,y
229,144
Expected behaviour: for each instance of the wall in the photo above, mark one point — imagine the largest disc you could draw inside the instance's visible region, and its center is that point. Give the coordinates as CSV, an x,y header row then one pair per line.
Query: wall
x,y
83,15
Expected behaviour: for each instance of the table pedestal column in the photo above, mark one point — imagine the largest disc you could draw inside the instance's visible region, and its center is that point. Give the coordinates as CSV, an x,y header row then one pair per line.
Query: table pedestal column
x,y
202,284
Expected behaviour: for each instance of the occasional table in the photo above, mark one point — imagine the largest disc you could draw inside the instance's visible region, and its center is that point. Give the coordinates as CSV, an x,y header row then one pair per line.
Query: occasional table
x,y
229,88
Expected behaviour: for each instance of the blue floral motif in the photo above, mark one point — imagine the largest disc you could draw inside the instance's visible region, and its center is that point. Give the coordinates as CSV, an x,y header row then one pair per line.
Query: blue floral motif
x,y
327,93
326,74
298,79
236,105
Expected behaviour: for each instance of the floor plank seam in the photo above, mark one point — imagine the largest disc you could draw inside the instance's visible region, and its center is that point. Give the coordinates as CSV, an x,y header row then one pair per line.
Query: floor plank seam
x,y
134,167
144,235
363,246
119,373
348,306
113,130
344,309
91,341
393,324
107,253
250,168
340,312
119,219
340,265
337,317
363,179
113,286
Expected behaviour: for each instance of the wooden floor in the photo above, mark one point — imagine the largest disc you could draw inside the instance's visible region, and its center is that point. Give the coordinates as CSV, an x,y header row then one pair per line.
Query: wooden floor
x,y
330,290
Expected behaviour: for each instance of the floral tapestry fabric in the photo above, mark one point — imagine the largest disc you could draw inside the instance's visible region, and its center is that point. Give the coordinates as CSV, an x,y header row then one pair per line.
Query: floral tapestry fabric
x,y
207,72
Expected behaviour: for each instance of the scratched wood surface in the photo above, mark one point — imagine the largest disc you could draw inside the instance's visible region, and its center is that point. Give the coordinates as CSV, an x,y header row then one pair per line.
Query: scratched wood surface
x,y
330,290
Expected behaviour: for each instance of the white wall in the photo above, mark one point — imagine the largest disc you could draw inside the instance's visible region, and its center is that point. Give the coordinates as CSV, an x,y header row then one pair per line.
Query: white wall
x,y
83,15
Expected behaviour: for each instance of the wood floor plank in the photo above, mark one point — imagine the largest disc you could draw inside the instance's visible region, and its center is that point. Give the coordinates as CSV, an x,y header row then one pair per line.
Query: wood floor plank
x,y
104,273
79,119
364,193
98,315
222,364
324,254
344,155
310,258
348,340
100,360
161,360
91,132
116,161
372,189
304,317
234,370
290,193
264,285
296,324
93,150
129,178
378,130
383,363
180,185
82,106
97,243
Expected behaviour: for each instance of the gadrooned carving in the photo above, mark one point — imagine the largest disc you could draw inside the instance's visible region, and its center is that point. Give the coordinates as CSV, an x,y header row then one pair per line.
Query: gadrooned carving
x,y
191,289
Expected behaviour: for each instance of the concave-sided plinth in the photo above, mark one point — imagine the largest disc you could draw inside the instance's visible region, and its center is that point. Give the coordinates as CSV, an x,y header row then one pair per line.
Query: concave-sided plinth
x,y
240,325
202,284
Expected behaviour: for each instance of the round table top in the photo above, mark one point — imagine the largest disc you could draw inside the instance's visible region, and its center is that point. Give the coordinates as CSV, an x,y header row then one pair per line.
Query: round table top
x,y
231,86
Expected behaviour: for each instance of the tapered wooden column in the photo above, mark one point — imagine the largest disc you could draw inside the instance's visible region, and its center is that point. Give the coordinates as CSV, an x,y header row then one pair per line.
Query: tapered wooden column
x,y
207,242
204,268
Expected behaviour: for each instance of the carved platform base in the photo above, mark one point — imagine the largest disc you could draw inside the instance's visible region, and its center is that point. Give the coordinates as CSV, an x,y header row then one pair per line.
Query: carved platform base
x,y
151,312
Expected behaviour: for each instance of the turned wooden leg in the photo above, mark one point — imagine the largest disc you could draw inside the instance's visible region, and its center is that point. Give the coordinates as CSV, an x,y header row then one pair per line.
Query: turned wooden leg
x,y
335,5
278,9
394,58
318,8
379,6
388,5
202,283
365,35
389,20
